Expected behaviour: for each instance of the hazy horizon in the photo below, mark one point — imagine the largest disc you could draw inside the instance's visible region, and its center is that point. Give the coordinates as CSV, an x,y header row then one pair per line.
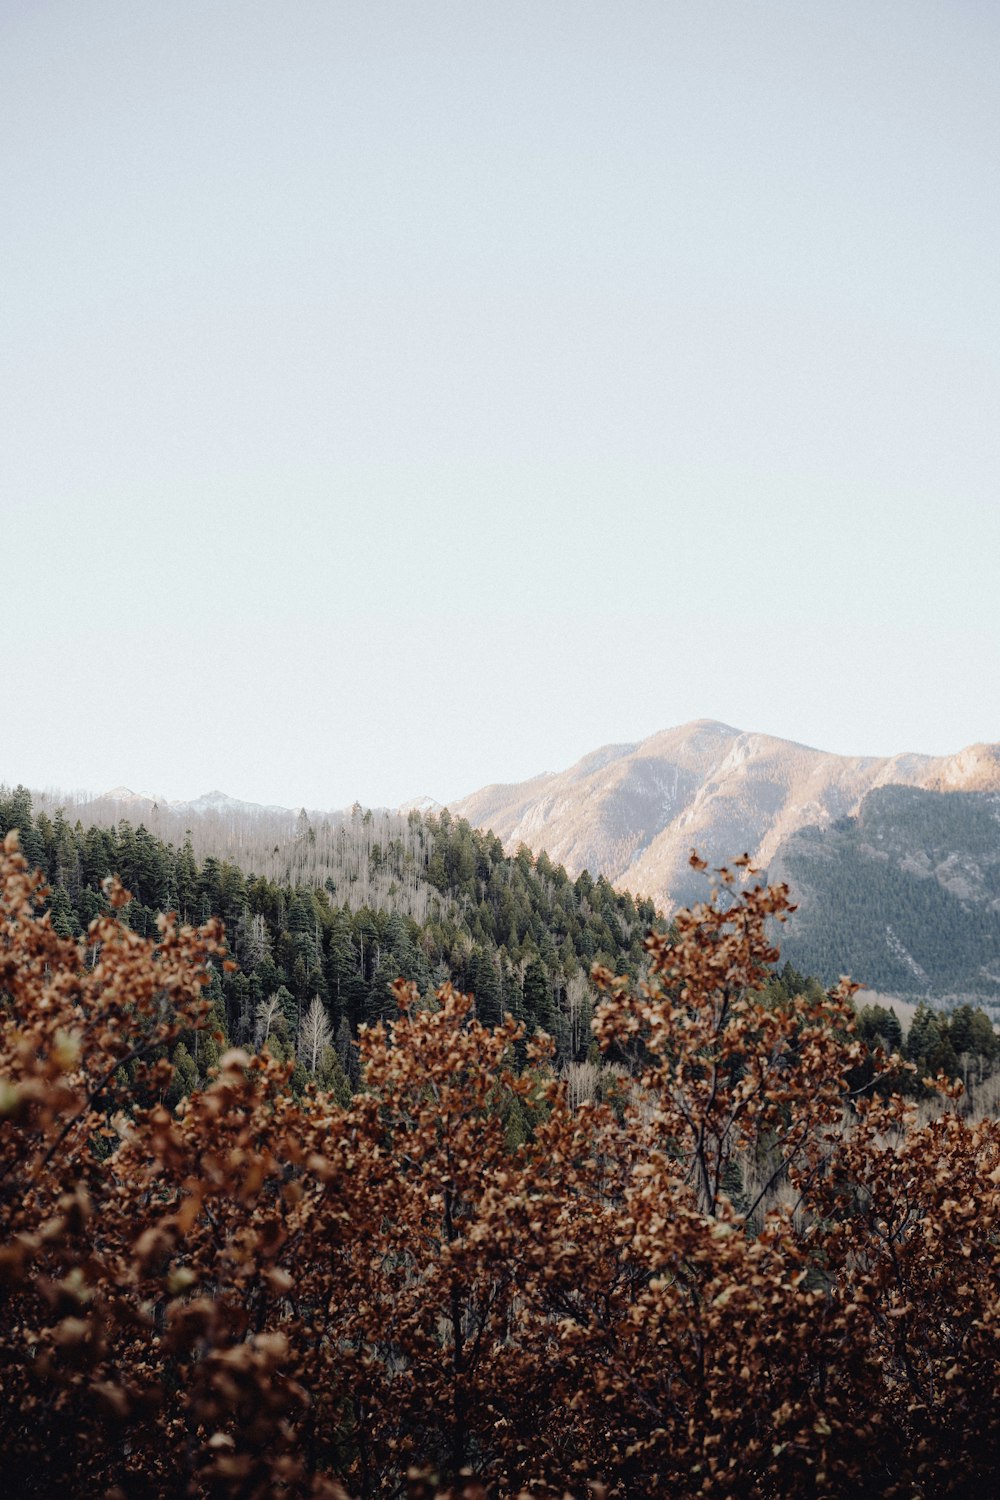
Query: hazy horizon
x,y
403,399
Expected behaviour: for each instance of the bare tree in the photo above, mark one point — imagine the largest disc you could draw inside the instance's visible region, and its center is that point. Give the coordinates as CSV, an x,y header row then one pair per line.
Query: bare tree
x,y
336,849
579,1010
315,1034
267,1014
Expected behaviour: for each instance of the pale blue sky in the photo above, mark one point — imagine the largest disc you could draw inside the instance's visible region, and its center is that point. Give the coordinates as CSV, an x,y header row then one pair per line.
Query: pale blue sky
x,y
398,397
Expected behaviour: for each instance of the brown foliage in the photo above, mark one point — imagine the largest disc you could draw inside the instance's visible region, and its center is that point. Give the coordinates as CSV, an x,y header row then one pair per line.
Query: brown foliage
x,y
730,1279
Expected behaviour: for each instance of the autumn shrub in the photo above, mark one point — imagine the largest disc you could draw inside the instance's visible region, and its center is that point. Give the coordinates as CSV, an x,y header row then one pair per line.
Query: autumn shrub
x,y
737,1275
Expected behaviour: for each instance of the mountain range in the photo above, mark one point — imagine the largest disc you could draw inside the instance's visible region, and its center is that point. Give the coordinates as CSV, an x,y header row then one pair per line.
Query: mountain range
x,y
635,811
219,803
894,861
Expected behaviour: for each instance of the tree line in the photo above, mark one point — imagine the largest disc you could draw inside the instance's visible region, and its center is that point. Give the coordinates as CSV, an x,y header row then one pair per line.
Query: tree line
x,y
423,898
316,961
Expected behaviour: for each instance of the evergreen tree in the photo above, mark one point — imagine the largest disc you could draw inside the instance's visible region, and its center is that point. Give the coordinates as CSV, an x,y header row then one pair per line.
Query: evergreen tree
x,y
484,982
289,1008
185,1075
64,917
330,1076
538,996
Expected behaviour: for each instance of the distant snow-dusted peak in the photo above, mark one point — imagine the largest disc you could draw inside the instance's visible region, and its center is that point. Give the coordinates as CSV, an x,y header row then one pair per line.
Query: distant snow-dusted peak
x,y
216,801
126,794
421,805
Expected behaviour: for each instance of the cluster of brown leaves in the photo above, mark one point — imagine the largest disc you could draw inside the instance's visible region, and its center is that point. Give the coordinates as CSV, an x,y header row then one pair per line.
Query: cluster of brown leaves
x,y
732,1279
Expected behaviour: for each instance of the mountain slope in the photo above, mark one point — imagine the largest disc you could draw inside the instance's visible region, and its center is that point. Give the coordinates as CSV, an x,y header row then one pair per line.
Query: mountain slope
x,y
634,811
340,912
905,896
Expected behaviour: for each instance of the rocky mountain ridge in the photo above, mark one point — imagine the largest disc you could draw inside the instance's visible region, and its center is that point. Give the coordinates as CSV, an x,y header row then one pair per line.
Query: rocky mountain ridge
x,y
634,811
630,811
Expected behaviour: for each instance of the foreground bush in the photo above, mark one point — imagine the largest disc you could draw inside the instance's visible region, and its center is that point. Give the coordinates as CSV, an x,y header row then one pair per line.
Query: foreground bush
x,y
730,1278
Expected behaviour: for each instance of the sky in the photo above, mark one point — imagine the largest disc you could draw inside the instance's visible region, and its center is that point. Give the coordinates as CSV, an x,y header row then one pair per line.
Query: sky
x,y
397,398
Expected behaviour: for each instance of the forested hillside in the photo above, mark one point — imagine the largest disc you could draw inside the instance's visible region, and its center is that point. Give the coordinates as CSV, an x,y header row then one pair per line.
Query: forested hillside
x,y
380,897
905,897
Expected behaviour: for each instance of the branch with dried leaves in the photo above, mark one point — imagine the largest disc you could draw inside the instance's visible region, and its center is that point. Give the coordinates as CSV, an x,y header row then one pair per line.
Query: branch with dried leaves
x,y
737,1278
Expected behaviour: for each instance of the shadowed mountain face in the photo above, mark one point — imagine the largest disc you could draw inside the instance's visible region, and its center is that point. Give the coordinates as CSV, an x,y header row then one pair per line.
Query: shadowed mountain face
x,y
905,896
635,811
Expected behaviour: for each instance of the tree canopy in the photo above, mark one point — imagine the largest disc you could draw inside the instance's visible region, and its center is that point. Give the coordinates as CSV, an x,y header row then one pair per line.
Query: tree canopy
x,y
750,1268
